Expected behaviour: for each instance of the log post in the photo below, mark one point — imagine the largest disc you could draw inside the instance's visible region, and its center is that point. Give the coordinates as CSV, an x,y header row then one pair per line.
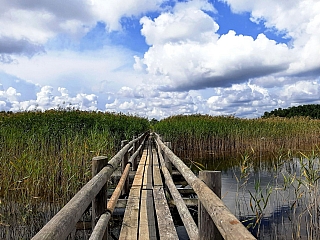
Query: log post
x,y
166,159
207,228
135,144
125,190
135,147
99,203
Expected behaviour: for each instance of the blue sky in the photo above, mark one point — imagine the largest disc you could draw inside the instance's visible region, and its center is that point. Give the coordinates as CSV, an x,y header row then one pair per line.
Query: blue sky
x,y
157,58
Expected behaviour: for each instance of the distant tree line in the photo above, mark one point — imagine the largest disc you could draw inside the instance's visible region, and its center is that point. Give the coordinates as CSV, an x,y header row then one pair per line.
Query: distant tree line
x,y
310,110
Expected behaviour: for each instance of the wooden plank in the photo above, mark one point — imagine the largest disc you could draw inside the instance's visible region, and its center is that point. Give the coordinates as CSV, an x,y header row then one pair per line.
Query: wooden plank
x,y
151,217
147,228
166,226
137,181
157,180
147,177
143,225
122,203
130,223
143,158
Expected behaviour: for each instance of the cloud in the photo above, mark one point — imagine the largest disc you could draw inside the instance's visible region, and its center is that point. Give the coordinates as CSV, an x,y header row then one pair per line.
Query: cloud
x,y
46,98
154,103
21,46
57,53
187,23
183,56
26,26
111,11
299,19
207,61
102,70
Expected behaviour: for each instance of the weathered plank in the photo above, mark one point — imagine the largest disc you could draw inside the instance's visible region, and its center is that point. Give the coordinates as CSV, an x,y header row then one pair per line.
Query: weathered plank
x,y
137,181
184,212
166,226
157,180
147,177
147,228
130,223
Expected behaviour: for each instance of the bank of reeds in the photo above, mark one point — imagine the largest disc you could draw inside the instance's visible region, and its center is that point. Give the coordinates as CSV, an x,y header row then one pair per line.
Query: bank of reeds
x,y
46,156
204,136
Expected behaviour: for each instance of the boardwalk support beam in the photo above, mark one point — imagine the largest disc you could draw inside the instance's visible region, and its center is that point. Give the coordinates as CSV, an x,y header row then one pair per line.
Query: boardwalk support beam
x,y
99,203
125,159
207,229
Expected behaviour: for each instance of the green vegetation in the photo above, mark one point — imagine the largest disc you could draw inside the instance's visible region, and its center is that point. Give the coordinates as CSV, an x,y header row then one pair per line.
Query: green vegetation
x,y
202,136
45,158
284,149
311,110
47,155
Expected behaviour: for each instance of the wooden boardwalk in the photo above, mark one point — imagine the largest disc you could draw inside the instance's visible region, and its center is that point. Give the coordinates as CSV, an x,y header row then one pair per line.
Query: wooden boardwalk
x,y
147,213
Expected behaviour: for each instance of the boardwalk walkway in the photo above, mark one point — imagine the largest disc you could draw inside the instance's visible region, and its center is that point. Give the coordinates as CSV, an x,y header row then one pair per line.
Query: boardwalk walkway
x,y
147,215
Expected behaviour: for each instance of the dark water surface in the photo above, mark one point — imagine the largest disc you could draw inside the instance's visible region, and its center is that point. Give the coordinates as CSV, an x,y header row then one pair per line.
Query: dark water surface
x,y
280,194
288,209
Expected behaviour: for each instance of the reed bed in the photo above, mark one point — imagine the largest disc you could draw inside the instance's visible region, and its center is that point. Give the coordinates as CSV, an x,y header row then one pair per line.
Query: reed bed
x,y
275,163
204,136
45,157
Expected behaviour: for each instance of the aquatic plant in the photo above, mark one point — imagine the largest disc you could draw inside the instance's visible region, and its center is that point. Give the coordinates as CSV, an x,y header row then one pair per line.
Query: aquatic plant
x,y
45,157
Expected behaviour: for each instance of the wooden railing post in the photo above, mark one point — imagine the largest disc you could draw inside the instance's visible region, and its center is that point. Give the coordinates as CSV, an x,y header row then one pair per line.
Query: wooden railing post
x,y
125,190
134,144
166,159
135,160
99,203
207,228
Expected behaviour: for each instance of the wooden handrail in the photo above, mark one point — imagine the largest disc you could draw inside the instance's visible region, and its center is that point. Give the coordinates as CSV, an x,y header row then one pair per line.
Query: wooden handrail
x,y
101,226
228,225
184,212
63,223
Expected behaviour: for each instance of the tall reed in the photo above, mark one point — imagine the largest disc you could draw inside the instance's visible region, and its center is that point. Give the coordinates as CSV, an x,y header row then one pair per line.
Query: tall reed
x,y
201,136
45,157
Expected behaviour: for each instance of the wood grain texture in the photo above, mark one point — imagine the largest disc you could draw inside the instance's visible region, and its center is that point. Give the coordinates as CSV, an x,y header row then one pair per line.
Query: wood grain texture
x,y
228,225
130,223
147,228
166,226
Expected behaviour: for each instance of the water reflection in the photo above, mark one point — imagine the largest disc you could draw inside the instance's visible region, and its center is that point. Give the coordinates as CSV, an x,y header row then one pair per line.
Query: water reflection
x,y
278,194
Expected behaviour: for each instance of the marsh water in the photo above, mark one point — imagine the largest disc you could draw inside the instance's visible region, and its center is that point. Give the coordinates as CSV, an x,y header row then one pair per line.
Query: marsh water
x,y
274,199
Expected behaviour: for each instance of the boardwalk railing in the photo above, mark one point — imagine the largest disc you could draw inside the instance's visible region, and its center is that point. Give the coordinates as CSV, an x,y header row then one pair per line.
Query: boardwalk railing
x,y
147,214
64,222
226,223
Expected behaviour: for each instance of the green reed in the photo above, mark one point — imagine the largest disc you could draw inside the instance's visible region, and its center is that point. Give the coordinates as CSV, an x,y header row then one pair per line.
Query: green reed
x,y
202,136
293,183
279,147
45,157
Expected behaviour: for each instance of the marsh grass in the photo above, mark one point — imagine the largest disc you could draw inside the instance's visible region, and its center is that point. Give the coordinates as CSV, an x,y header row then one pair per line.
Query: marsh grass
x,y
45,158
288,198
204,136
275,163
